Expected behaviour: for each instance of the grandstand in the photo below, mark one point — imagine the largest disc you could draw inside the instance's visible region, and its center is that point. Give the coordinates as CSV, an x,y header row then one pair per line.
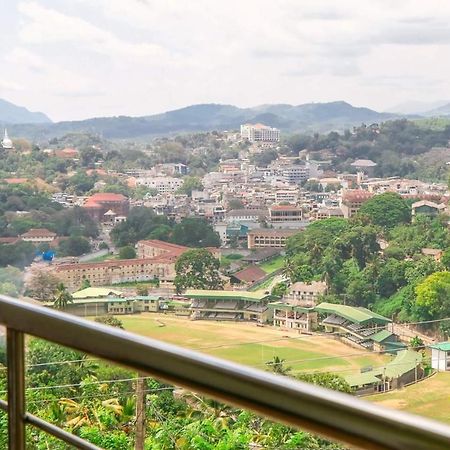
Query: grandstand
x,y
358,326
229,305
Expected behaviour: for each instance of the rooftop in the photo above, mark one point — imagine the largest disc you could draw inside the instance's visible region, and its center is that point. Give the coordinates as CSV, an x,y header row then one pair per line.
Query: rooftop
x,y
227,295
353,314
443,346
95,292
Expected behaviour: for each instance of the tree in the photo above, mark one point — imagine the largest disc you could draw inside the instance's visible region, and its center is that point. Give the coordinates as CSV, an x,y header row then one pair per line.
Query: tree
x,y
127,252
62,297
74,246
276,365
386,210
197,269
279,289
433,295
42,285
141,290
326,380
416,342
235,203
195,232
190,184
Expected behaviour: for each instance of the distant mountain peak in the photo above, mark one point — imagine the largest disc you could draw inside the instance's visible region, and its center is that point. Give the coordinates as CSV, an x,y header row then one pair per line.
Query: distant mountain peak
x,y
13,114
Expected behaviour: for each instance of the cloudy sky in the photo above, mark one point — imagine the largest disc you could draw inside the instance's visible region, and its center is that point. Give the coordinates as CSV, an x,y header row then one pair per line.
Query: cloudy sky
x,y
75,59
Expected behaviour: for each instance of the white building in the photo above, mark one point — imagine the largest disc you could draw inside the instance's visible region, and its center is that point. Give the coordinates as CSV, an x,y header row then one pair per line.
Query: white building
x,y
163,185
259,133
440,356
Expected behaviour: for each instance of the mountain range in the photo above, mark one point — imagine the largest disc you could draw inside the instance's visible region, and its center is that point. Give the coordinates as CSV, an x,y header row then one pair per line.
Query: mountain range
x,y
12,114
204,117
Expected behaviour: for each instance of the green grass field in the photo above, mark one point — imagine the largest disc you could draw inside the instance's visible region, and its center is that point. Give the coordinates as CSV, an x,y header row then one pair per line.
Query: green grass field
x,y
248,344
272,264
429,398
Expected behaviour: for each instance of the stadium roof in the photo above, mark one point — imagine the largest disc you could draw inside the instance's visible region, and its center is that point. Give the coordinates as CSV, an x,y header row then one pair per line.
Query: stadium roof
x,y
228,295
405,361
353,314
381,336
444,346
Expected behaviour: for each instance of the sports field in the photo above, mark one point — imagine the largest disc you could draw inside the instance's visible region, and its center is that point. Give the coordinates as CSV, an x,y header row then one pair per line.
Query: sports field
x,y
248,344
429,398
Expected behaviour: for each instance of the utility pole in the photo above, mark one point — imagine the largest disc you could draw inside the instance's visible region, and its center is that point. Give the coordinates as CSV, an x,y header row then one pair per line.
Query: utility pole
x,y
140,413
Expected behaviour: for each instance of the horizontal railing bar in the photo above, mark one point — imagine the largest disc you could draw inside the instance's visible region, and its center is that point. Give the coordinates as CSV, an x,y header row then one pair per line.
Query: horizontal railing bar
x,y
329,413
59,433
55,431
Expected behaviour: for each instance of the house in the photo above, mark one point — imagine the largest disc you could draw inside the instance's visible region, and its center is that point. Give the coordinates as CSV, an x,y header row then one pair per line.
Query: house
x,y
38,236
229,305
96,292
427,207
440,356
249,275
434,253
352,200
306,294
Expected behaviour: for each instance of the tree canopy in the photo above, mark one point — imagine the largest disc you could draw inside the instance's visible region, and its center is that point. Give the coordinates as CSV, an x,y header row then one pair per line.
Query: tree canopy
x,y
197,269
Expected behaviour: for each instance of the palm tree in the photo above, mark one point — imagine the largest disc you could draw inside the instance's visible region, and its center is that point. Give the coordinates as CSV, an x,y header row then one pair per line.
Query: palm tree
x,y
62,297
276,365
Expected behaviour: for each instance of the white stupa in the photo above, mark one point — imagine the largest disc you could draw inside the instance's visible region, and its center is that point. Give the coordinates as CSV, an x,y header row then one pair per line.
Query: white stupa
x,y
7,142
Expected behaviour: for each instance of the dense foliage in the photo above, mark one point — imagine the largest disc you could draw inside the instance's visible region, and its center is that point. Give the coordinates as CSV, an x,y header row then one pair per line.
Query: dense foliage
x,y
143,223
347,255
96,401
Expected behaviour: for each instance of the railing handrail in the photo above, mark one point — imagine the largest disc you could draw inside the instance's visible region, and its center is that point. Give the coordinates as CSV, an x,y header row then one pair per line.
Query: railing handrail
x,y
332,414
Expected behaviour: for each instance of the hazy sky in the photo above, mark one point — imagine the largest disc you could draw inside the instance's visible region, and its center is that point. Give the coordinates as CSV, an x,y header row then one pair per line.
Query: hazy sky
x,y
82,58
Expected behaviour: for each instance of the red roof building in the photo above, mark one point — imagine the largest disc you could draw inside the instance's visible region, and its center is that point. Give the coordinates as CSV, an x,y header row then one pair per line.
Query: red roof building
x,y
98,204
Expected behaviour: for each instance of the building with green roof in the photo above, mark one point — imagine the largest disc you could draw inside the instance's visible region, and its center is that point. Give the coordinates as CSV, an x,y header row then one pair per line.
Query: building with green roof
x,y
230,305
404,369
440,356
358,326
96,292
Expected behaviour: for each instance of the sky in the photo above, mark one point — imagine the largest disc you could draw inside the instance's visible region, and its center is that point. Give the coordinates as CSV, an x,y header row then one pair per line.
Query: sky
x,y
74,59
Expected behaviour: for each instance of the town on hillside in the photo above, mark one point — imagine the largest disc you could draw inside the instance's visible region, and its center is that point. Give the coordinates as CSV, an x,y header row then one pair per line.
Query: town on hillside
x,y
311,242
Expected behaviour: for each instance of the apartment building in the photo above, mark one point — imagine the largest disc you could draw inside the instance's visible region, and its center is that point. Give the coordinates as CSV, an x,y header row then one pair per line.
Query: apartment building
x,y
163,185
259,133
295,174
306,294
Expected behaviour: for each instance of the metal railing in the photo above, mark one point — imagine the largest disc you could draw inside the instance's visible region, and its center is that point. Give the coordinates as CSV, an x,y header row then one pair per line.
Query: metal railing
x,y
331,414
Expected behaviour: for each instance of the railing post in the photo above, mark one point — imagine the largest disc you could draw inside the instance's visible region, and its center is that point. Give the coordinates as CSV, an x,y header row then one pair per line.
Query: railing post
x,y
16,389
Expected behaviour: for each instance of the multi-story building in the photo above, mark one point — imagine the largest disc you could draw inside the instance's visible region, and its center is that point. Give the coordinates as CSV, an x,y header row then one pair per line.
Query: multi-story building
x,y
352,200
295,174
163,185
259,133
285,213
268,237
98,204
112,272
291,317
306,294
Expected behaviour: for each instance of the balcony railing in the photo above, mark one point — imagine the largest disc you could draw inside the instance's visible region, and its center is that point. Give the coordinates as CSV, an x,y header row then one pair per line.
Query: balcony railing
x,y
331,414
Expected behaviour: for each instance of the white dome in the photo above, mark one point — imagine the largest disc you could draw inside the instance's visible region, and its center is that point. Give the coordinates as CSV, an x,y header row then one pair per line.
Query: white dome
x,y
7,142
